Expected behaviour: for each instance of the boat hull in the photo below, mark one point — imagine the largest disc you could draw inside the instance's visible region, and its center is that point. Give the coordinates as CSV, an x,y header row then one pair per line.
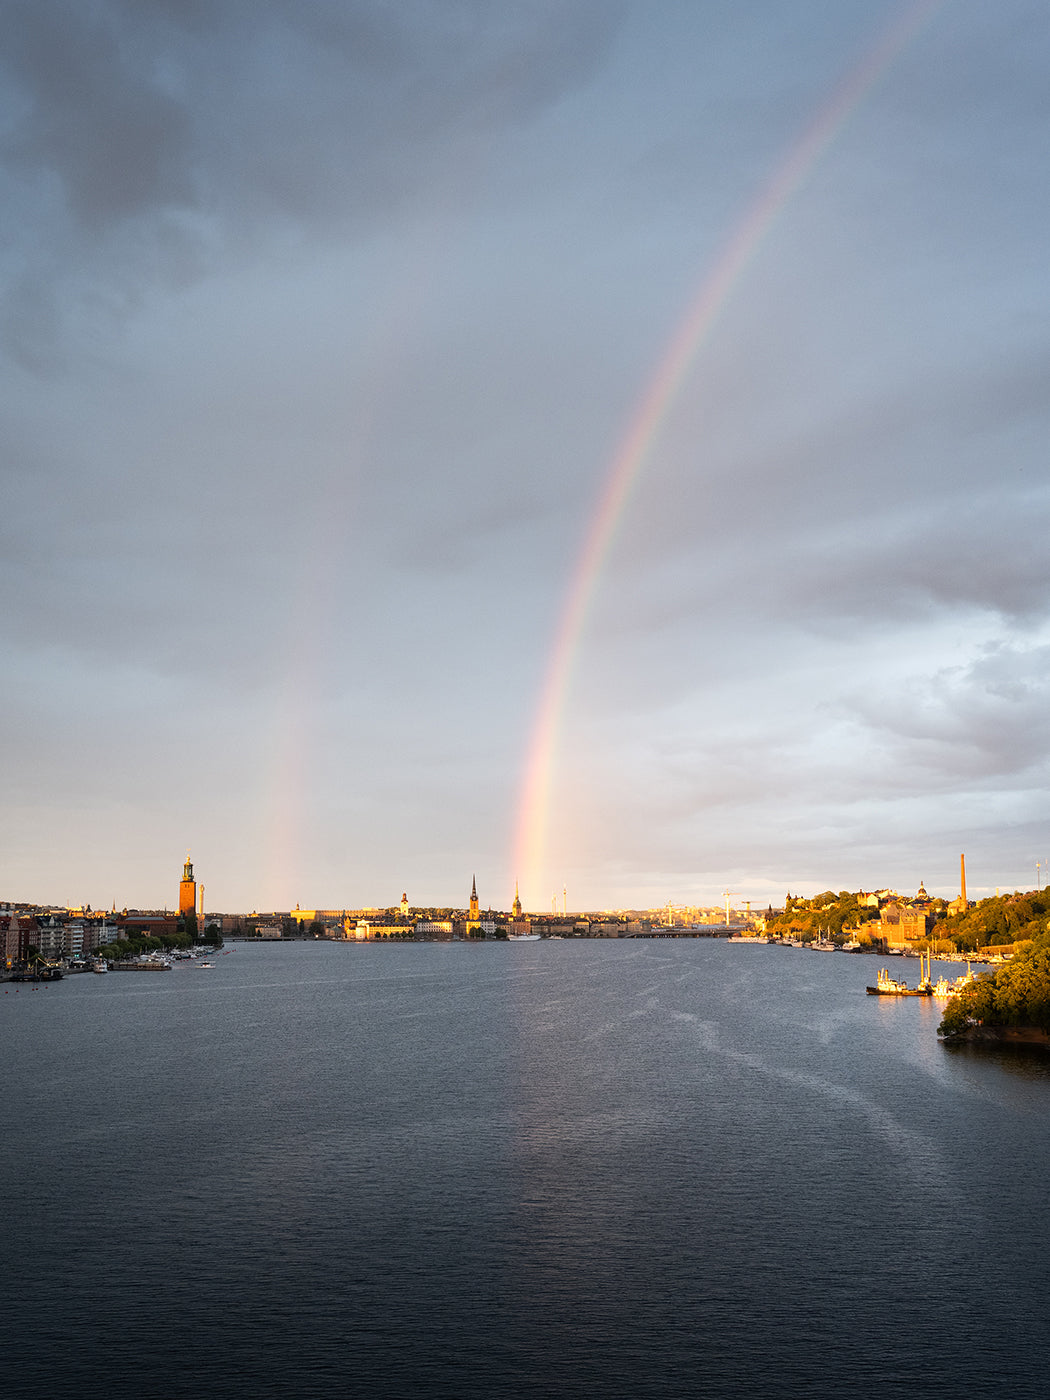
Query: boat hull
x,y
900,992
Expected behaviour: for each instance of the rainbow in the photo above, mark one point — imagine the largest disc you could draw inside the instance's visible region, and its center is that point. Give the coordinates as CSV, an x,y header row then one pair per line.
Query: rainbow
x,y
651,412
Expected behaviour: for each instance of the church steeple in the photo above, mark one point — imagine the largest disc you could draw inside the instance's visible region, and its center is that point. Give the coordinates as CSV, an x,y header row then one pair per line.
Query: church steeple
x,y
474,897
515,908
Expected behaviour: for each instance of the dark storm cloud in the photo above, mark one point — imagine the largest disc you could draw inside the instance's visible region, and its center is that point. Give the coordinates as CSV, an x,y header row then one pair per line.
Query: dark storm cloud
x,y
153,139
91,117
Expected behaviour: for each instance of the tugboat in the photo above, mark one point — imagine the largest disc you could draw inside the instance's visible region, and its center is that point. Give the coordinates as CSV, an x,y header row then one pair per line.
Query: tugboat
x,y
887,986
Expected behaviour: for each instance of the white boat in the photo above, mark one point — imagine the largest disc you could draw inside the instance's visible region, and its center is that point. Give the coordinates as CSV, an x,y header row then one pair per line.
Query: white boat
x,y
100,965
522,937
945,987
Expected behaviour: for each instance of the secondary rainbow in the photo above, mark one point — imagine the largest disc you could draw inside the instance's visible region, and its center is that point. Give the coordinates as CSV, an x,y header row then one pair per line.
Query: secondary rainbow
x,y
652,409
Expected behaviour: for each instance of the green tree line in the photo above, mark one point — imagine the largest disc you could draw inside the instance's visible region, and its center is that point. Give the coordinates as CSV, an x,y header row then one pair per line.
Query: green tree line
x,y
829,914
990,923
136,941
1004,919
1015,994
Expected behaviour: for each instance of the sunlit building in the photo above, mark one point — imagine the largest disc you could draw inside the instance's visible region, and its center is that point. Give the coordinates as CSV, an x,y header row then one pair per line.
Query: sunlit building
x,y
187,890
437,929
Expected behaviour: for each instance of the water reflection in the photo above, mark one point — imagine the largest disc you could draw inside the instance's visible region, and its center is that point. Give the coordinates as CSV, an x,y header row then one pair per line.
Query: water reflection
x,y
1030,1062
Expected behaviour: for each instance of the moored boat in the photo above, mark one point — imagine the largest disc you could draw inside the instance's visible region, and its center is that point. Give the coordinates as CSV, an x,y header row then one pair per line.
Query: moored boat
x,y
887,986
45,973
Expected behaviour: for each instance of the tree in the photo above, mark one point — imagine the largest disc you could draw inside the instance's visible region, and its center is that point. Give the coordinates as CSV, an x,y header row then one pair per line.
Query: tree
x,y
1016,994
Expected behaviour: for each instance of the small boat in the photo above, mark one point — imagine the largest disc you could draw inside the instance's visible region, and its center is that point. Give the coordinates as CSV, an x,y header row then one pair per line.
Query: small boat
x,y
205,964
944,987
100,965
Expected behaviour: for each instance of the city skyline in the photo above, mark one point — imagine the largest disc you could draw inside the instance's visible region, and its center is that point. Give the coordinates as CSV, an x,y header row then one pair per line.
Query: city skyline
x,y
736,901
600,446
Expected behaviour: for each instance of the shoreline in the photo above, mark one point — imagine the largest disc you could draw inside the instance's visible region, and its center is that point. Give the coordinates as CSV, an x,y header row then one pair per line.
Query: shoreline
x,y
1000,1035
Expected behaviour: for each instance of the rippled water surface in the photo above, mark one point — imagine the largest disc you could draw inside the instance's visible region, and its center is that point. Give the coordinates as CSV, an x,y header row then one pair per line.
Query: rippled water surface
x,y
667,1168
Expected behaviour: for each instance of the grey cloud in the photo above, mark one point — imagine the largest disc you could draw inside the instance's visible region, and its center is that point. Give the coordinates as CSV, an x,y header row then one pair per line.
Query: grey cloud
x,y
984,557
426,256
91,117
926,498
123,118
982,722
119,104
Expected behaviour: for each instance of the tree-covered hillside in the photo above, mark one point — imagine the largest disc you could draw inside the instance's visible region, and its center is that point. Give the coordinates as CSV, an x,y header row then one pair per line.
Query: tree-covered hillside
x,y
1008,918
1015,994
829,915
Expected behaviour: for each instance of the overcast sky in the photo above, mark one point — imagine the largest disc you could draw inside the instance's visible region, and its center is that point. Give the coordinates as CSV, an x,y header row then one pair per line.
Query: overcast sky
x,y
322,325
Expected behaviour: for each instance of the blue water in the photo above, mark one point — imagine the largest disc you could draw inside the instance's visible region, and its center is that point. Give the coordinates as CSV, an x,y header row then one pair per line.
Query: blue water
x,y
543,1169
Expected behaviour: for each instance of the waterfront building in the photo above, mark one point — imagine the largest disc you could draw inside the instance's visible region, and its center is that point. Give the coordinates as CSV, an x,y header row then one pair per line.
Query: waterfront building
x,y
329,919
50,938
11,937
133,921
440,929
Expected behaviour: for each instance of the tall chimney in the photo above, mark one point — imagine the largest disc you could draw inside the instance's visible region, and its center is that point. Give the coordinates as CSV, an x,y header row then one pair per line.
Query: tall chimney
x,y
962,879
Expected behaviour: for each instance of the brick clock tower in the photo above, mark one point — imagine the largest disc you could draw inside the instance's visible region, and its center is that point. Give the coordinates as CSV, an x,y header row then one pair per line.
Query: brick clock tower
x,y
187,890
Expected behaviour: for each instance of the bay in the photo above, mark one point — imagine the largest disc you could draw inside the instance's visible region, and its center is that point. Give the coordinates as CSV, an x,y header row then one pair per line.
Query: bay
x,y
647,1168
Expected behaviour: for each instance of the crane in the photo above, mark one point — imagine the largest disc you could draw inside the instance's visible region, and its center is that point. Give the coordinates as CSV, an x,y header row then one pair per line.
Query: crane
x,y
727,895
